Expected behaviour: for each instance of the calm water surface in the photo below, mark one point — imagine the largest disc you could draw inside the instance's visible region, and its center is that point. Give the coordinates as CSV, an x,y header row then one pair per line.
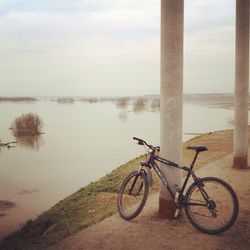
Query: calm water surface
x,y
82,142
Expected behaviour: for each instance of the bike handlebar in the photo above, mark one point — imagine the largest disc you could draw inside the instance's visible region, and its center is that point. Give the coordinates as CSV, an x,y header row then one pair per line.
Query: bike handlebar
x,y
142,142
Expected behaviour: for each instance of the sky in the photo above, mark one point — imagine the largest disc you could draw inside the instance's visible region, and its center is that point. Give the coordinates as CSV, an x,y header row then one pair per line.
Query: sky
x,y
110,47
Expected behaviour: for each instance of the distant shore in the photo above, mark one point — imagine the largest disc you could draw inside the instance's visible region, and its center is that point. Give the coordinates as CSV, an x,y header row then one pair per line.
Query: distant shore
x,y
18,99
216,100
198,97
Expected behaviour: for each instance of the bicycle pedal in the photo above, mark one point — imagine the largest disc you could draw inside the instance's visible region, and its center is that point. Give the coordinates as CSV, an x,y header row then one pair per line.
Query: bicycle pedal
x,y
176,214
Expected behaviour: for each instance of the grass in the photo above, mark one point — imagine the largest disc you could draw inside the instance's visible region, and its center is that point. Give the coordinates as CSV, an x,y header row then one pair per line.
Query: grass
x,y
97,200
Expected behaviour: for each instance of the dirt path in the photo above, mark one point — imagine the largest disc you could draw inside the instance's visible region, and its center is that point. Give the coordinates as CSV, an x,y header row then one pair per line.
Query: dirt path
x,y
148,231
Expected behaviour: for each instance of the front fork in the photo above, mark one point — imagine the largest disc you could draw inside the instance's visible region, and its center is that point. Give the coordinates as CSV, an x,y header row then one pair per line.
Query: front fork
x,y
147,172
140,171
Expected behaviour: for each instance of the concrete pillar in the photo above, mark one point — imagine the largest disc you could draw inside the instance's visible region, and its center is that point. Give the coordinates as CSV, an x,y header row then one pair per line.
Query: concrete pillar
x,y
172,22
241,84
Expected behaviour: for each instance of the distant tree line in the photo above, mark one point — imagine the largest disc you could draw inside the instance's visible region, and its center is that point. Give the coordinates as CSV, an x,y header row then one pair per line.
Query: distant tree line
x,y
17,99
89,99
65,100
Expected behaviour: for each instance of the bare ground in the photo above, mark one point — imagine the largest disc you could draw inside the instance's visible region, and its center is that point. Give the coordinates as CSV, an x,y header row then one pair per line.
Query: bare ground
x,y
148,231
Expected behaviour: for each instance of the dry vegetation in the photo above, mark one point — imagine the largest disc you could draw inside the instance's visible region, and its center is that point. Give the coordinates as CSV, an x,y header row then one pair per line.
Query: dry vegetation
x,y
65,100
107,99
89,100
31,142
123,116
122,103
17,99
155,105
139,105
27,125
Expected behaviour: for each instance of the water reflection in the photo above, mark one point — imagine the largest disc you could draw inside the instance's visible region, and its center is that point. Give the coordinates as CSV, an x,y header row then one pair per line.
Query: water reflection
x,y
31,142
123,116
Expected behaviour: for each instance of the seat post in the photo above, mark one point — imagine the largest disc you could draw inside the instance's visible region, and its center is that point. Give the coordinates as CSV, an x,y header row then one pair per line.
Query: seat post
x,y
194,160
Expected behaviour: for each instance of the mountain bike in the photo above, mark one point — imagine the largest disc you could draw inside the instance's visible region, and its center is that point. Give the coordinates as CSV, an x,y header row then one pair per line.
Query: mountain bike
x,y
211,205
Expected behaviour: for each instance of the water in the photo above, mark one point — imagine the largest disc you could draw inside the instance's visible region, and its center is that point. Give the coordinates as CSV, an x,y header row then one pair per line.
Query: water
x,y
82,142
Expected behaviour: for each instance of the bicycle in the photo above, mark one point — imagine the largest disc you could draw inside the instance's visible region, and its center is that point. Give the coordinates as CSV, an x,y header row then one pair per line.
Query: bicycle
x,y
211,205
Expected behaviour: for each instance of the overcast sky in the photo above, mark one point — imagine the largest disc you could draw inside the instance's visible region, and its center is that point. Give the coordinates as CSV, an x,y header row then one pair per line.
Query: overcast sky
x,y
109,47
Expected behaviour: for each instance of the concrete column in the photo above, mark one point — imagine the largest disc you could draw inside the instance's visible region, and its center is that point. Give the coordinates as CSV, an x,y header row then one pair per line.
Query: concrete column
x,y
241,84
172,22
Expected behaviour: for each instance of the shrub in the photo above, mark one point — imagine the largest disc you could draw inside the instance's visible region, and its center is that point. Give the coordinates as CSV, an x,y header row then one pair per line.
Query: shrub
x,y
122,103
155,105
139,105
65,100
27,125
89,100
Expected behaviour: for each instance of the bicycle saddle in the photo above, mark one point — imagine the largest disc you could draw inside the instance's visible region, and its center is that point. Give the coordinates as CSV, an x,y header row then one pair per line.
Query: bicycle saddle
x,y
198,148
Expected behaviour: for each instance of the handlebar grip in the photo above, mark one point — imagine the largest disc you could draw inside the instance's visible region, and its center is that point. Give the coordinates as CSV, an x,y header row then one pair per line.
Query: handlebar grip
x,y
142,142
138,139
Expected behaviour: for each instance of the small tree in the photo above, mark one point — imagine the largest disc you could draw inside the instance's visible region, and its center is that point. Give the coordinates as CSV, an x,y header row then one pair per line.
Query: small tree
x,y
122,103
27,125
139,105
65,100
155,105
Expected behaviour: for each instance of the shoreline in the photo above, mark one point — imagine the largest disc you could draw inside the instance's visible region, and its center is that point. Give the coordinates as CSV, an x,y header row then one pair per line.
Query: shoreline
x,y
96,201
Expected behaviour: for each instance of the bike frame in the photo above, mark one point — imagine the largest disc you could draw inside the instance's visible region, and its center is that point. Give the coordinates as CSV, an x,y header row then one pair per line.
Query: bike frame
x,y
181,201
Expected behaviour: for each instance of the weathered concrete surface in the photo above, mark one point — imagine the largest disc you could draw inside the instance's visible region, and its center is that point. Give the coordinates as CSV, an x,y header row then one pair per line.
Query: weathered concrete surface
x,y
241,84
172,20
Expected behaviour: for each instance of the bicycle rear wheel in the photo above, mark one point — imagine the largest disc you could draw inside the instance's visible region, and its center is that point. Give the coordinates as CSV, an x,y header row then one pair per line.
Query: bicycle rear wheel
x,y
133,195
212,205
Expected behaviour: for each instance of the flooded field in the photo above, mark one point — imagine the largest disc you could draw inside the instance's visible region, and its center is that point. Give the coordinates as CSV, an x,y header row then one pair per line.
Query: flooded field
x,y
82,141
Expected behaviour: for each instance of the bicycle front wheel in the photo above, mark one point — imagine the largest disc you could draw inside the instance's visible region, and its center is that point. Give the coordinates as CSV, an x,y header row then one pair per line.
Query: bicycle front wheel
x,y
133,195
211,205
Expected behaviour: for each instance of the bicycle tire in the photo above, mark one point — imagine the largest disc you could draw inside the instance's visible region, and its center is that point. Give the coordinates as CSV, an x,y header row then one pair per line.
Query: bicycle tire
x,y
135,206
231,209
